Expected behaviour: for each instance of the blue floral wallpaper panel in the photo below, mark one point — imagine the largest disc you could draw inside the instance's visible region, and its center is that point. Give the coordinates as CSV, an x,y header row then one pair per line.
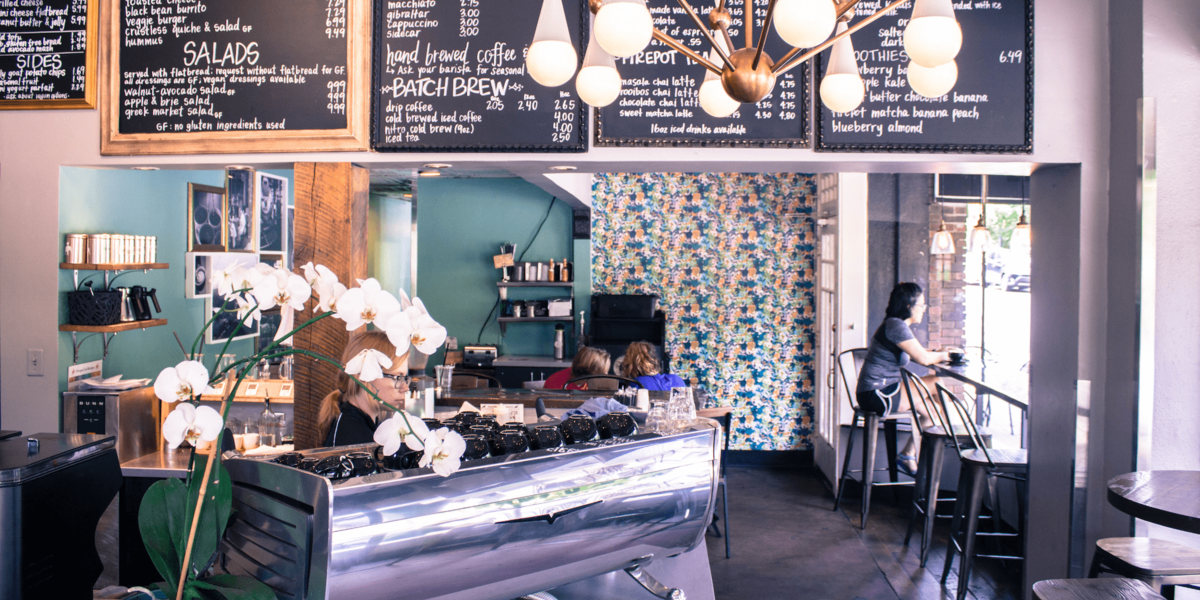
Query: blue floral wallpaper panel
x,y
732,259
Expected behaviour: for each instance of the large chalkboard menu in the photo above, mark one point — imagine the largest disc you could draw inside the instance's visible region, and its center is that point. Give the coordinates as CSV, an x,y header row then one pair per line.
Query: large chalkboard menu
x,y
236,75
450,75
659,103
48,53
990,109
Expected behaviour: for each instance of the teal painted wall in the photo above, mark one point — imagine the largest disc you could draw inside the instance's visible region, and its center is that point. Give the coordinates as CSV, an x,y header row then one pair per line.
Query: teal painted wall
x,y
461,224
141,203
389,243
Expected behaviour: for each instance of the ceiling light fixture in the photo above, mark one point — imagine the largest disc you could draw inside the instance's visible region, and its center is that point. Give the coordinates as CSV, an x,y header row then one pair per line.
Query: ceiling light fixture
x,y
563,168
943,242
1022,238
144,168
981,238
624,28
238,167
429,173
437,166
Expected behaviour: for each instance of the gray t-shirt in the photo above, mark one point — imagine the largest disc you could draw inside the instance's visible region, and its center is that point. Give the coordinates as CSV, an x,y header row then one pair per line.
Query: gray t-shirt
x,y
881,367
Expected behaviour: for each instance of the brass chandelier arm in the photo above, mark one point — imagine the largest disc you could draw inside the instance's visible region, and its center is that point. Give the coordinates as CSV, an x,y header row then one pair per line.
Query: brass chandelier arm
x,y
843,8
762,35
707,34
781,67
684,50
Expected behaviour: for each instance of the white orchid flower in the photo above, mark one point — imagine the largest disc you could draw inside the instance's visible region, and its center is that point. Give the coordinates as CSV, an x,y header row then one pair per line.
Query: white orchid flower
x,y
245,307
366,304
189,423
317,274
443,451
405,302
226,280
420,331
329,294
181,382
368,365
401,428
286,290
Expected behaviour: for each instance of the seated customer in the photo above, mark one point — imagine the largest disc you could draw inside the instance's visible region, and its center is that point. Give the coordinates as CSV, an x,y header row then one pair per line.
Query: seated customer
x,y
349,414
588,361
641,364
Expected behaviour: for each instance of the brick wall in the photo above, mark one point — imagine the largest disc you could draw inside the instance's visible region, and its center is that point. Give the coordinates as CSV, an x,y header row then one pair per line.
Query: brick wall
x,y
946,298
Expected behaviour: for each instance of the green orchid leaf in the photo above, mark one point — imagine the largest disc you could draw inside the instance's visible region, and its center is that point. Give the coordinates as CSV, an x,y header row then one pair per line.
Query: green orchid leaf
x,y
161,520
214,514
235,587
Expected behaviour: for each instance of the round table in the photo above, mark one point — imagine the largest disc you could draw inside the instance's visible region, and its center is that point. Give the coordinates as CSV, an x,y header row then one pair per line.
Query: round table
x,y
1167,498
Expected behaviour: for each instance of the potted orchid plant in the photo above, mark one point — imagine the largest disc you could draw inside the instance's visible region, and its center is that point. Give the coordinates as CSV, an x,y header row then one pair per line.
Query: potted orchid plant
x,y
182,522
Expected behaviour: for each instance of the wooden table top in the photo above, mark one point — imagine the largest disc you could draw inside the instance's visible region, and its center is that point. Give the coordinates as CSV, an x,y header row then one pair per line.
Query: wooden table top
x,y
1167,498
975,374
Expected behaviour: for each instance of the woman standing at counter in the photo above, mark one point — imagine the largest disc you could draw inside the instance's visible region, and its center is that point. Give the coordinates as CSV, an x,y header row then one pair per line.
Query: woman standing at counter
x,y
349,414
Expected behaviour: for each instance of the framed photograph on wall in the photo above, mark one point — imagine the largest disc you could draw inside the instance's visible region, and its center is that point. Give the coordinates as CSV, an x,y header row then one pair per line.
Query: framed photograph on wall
x,y
198,275
291,225
225,327
240,210
206,218
272,212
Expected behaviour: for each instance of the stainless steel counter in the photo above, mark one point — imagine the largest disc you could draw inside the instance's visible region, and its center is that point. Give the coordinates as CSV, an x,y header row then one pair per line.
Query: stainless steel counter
x,y
158,465
530,362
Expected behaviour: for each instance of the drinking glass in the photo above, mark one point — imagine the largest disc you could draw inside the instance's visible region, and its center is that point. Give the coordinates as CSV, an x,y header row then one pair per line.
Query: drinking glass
x,y
264,370
656,417
285,368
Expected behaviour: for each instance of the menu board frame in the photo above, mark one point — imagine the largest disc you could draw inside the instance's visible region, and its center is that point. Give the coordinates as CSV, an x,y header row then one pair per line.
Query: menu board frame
x,y
356,136
89,84
578,146
1025,148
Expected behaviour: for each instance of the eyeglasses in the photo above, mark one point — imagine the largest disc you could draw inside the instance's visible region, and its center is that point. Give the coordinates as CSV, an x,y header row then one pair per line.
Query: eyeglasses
x,y
400,382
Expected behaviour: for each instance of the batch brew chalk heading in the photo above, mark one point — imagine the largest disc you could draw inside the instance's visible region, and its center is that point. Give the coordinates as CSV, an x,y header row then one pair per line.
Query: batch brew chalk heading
x,y
43,49
450,75
660,104
227,65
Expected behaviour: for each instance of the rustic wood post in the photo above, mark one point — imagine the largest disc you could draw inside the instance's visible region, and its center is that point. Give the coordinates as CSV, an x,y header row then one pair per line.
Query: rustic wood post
x,y
330,229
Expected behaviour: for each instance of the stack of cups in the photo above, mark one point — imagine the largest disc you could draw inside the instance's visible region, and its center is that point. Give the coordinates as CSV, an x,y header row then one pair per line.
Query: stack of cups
x,y
110,249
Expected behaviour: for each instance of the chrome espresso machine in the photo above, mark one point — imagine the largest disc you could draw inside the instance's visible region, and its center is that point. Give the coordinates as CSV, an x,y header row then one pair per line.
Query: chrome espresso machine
x,y
497,529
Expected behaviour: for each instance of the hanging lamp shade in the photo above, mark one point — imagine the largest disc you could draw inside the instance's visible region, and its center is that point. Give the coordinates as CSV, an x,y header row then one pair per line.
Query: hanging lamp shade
x,y
552,58
943,242
713,97
624,27
1021,239
981,238
842,88
804,23
598,83
935,82
933,36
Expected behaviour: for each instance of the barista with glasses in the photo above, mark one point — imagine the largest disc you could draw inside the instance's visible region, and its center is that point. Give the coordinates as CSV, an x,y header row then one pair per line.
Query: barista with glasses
x,y
891,348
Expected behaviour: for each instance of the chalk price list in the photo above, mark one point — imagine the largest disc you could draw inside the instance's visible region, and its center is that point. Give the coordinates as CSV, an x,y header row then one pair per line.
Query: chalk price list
x,y
206,69
43,47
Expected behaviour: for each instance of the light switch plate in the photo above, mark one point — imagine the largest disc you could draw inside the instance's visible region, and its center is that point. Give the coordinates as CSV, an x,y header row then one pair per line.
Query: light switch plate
x,y
34,363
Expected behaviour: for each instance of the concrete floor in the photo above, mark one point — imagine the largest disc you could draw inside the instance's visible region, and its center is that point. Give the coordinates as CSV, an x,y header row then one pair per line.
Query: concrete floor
x,y
787,543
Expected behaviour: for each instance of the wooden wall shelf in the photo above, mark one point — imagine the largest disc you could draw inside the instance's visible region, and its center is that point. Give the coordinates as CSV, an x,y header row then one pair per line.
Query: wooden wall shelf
x,y
113,267
126,326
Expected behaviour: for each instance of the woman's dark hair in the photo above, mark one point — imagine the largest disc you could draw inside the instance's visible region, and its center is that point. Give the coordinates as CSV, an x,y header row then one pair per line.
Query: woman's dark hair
x,y
903,299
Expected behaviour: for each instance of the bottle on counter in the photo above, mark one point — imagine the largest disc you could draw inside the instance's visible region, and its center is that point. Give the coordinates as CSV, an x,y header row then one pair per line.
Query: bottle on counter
x,y
559,341
565,275
553,271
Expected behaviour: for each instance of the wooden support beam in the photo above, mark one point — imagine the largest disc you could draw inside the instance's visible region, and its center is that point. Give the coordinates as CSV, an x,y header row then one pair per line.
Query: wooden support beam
x,y
331,230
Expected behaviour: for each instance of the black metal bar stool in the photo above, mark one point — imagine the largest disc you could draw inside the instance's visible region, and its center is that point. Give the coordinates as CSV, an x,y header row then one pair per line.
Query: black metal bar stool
x,y
1093,589
978,465
1160,563
849,362
934,441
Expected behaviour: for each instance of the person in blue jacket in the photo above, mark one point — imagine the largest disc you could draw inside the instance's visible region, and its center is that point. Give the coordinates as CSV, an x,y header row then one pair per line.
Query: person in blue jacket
x,y
641,364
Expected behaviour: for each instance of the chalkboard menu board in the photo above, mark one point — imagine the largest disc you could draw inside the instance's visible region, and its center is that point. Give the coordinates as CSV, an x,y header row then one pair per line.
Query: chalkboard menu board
x,y
48,53
659,103
990,109
450,76
236,75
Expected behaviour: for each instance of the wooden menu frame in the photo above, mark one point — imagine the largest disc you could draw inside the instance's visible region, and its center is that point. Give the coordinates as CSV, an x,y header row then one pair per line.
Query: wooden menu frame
x,y
355,137
89,72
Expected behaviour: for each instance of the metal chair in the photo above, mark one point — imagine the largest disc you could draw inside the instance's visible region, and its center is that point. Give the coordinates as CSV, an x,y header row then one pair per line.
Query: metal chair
x,y
978,464
617,378
934,441
849,362
726,424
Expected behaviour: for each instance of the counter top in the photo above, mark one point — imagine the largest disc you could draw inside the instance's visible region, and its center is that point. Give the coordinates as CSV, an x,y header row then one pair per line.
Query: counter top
x,y
527,361
528,398
159,465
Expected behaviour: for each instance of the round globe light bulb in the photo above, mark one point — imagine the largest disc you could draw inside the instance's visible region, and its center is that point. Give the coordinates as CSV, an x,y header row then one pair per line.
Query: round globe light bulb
x,y
932,41
804,23
842,92
715,100
551,62
624,28
598,86
935,82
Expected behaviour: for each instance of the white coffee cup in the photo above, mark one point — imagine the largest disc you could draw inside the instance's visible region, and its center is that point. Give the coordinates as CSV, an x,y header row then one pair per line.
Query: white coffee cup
x,y
643,399
250,440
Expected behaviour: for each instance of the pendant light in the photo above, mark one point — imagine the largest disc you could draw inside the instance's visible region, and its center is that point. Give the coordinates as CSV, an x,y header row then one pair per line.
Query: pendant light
x,y
935,82
981,238
713,97
599,83
943,242
804,23
624,27
1021,239
933,36
842,88
552,58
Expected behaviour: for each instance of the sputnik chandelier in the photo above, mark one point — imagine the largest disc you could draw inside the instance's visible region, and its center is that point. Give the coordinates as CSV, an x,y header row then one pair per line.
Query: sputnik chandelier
x,y
623,28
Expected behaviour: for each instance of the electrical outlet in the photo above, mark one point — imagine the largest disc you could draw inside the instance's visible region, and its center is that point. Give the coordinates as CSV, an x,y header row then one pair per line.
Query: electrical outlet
x,y
33,363
452,343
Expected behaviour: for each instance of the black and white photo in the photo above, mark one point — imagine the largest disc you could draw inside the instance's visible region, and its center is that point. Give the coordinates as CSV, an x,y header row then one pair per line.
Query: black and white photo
x,y
239,184
198,283
272,206
225,326
206,218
